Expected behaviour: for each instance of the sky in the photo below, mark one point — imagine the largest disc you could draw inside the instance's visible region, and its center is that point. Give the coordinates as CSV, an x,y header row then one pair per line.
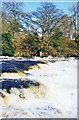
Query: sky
x,y
31,6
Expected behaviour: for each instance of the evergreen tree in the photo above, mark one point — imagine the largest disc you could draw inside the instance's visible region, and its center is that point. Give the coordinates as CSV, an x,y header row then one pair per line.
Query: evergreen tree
x,y
7,44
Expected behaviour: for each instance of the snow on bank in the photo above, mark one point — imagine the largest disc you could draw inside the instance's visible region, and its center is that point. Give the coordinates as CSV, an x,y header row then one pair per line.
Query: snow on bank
x,y
57,97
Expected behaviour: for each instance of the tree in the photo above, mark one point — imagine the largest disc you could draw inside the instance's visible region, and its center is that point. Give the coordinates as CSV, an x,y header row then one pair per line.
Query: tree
x,y
27,44
46,18
65,25
0,22
74,20
78,22
11,14
7,44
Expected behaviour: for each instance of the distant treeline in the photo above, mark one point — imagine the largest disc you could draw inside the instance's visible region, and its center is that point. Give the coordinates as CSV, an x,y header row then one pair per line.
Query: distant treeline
x,y
47,30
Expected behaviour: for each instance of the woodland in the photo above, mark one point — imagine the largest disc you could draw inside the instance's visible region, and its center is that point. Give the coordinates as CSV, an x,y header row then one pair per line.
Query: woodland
x,y
47,30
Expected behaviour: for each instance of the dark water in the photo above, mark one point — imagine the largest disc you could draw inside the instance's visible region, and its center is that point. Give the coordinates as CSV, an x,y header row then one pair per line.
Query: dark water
x,y
14,83
14,66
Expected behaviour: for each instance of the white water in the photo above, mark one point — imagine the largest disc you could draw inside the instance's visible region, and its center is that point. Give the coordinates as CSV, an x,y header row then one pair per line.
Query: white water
x,y
57,96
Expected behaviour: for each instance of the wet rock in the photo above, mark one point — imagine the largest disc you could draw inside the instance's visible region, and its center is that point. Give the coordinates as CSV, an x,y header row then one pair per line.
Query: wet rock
x,y
34,67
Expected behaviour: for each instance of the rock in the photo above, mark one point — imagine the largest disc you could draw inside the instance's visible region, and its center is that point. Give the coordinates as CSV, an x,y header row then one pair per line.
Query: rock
x,y
9,99
34,66
12,74
44,61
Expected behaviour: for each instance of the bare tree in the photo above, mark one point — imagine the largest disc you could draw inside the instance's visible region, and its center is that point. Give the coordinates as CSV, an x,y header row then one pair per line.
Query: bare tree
x,y
65,25
46,18
11,14
74,19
